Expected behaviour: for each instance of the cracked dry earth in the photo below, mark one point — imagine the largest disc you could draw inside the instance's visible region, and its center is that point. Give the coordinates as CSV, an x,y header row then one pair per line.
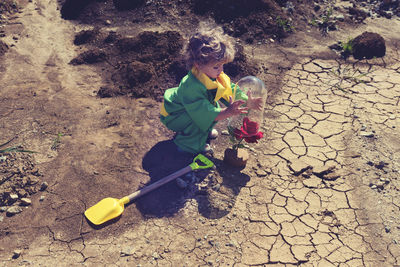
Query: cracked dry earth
x,y
321,189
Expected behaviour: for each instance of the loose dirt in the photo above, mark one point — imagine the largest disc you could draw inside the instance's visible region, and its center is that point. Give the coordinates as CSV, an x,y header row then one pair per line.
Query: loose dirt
x,y
81,83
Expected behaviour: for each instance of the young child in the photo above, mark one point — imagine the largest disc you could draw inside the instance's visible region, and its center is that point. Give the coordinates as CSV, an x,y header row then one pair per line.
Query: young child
x,y
192,109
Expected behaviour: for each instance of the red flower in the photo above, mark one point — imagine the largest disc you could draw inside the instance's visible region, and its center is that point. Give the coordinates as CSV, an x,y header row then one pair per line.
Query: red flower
x,y
249,131
254,138
249,127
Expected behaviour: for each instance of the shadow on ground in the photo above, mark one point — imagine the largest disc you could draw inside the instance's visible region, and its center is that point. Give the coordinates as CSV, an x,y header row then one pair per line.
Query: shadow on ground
x,y
215,190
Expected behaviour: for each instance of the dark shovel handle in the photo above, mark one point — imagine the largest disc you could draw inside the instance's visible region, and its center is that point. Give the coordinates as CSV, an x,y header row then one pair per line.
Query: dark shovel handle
x,y
159,183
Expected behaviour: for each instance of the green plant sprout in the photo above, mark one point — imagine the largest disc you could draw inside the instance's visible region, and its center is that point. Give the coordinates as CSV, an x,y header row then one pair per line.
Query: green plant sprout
x,y
284,24
325,23
56,141
326,17
313,22
347,46
346,74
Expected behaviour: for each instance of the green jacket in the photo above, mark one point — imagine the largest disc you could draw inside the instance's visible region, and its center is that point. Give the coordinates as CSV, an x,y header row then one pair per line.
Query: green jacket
x,y
192,111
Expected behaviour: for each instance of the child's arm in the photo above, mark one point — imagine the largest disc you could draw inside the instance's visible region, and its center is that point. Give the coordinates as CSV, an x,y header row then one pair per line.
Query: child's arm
x,y
234,108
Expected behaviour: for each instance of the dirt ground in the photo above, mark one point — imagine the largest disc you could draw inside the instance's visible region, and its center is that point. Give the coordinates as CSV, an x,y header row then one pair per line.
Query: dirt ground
x,y
81,84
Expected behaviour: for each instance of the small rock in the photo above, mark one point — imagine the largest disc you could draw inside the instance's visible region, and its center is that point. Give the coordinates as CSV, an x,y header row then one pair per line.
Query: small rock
x,y
16,254
387,229
3,209
13,210
127,251
181,183
41,198
1,218
225,132
44,186
367,134
25,201
108,22
339,17
155,256
13,197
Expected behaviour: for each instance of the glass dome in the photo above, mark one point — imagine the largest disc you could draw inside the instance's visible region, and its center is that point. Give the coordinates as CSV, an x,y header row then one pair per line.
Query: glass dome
x,y
257,88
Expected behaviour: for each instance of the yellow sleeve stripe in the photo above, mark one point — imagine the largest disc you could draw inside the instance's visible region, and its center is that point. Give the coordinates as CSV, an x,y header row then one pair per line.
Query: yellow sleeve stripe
x,y
163,111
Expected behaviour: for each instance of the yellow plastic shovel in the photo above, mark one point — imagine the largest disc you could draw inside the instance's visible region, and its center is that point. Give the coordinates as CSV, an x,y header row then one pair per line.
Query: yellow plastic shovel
x,y
109,208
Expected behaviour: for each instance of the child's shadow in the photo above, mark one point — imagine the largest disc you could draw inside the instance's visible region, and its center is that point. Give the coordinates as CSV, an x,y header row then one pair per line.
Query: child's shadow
x,y
214,190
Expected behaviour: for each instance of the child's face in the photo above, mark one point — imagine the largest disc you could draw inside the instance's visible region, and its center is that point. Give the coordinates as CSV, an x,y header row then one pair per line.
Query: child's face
x,y
212,70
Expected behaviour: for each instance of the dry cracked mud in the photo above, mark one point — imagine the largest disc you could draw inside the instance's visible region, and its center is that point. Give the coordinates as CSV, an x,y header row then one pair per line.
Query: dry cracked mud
x,y
321,189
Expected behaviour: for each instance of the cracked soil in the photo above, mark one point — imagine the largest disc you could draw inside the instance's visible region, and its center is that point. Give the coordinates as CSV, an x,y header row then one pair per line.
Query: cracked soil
x,y
320,189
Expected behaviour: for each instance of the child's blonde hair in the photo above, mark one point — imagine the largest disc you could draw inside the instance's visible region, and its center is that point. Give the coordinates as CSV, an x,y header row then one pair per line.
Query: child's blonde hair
x,y
209,45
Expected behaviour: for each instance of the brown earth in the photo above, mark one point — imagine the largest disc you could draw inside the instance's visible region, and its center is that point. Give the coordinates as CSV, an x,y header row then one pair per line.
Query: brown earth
x,y
81,83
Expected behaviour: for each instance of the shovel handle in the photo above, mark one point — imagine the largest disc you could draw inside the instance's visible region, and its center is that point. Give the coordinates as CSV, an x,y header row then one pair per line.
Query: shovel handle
x,y
206,163
193,166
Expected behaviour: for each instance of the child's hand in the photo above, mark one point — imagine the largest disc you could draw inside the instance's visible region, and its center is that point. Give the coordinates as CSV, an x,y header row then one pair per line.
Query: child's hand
x,y
254,103
236,108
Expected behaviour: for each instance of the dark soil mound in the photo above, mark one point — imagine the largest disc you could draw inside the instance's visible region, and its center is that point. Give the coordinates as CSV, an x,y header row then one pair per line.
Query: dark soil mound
x,y
147,64
127,4
248,19
3,48
71,9
90,57
226,10
368,45
87,36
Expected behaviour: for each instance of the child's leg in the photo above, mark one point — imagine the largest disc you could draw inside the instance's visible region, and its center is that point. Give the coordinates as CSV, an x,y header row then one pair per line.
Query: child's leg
x,y
192,139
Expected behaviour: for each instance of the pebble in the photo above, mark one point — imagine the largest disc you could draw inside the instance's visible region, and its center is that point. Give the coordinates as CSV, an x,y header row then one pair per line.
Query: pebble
x,y
16,253
339,17
13,197
26,201
3,209
127,251
155,256
13,210
41,198
367,134
1,218
44,186
108,22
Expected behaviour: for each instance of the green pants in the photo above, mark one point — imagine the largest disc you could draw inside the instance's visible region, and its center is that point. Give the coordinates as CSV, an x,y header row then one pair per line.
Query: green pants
x,y
189,137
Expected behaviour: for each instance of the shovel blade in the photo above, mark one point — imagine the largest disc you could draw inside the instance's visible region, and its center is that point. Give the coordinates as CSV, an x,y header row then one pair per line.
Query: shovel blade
x,y
105,210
